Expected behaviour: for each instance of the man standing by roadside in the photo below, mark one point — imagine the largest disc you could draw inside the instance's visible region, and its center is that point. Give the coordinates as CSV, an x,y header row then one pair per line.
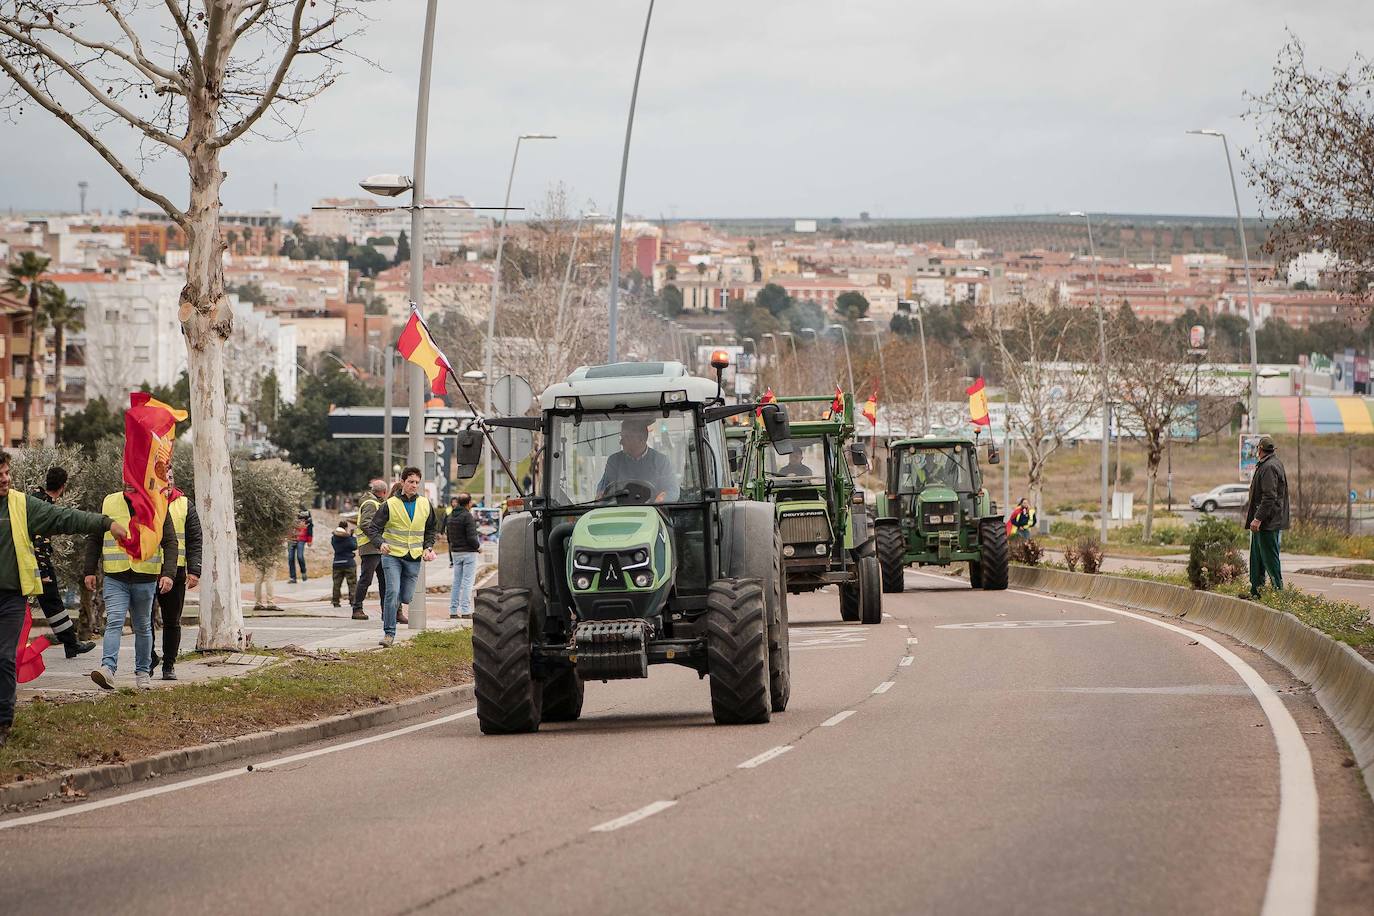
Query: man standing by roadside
x,y
185,522
369,549
345,566
128,592
464,549
1266,515
22,518
406,527
59,621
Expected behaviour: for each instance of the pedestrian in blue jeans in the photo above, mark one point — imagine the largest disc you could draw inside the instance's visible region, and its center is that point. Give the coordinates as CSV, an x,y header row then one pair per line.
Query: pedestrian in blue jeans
x,y
295,548
406,526
464,550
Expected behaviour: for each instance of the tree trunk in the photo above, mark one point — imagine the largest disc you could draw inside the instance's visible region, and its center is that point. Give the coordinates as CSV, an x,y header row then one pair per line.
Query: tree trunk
x,y
1152,462
59,339
28,363
207,320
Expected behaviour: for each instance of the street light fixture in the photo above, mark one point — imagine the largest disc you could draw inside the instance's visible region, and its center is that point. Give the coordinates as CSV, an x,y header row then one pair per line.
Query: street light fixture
x,y
387,185
1106,400
1253,406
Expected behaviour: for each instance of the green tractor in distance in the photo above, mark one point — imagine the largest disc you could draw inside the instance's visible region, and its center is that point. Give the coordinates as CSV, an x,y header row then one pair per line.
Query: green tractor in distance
x,y
634,552
936,511
827,536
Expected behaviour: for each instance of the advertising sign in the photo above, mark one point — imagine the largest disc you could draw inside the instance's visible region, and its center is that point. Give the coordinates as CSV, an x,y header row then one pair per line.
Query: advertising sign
x,y
1249,454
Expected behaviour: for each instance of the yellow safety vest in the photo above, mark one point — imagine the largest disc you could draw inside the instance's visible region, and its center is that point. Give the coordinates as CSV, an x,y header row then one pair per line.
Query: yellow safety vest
x,y
363,539
176,513
24,556
113,557
403,534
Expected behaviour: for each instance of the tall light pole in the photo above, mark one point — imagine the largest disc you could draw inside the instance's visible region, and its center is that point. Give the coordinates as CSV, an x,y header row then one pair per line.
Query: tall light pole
x,y
1249,287
612,299
491,307
1106,398
849,364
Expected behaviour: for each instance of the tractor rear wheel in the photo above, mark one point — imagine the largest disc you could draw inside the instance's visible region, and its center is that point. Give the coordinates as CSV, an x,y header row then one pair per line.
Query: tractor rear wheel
x,y
737,652
891,552
850,598
975,574
870,590
779,643
563,696
508,696
993,562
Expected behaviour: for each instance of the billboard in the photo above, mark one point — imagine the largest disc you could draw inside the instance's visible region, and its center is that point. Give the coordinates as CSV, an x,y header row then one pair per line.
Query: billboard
x,y
1249,454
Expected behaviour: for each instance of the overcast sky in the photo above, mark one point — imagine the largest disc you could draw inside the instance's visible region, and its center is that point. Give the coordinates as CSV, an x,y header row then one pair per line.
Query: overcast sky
x,y
758,108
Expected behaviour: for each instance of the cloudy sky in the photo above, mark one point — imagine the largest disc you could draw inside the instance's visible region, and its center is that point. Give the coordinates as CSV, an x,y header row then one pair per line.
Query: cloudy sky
x,y
759,108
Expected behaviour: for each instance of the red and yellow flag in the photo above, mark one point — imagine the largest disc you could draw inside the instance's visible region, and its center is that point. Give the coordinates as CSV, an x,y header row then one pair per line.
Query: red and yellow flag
x,y
871,407
837,405
417,345
150,426
768,398
978,403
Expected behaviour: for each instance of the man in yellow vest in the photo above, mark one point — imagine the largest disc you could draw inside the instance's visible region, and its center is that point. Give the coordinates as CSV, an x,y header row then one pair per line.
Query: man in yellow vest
x,y
185,522
128,592
23,518
406,526
369,551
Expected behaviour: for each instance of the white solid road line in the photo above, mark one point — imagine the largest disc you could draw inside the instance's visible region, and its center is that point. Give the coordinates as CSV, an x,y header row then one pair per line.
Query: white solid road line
x,y
764,757
1292,887
633,817
837,718
906,661
884,687
228,774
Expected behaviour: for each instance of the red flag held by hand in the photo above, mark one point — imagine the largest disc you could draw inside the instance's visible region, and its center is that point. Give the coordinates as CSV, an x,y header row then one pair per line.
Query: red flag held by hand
x,y
28,662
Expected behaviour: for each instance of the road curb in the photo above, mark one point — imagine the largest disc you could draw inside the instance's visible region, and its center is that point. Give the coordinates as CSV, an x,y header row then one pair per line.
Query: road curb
x,y
106,776
1341,679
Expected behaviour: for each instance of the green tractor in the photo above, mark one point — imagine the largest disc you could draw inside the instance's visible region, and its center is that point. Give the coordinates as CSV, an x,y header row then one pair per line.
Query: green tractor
x,y
635,551
936,511
827,535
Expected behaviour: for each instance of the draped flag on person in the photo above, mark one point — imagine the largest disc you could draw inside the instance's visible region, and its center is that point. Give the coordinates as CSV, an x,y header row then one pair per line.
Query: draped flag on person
x,y
978,403
871,408
149,430
417,345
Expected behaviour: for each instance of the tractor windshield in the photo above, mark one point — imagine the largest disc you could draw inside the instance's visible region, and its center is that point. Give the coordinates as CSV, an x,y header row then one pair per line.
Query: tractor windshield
x,y
807,462
599,456
945,466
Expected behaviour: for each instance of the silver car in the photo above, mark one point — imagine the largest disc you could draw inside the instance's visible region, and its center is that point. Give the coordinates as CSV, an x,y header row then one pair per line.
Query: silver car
x,y
1226,496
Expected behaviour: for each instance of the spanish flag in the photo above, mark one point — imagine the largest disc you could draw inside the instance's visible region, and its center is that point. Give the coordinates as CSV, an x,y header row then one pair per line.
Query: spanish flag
x,y
416,345
871,408
149,429
978,403
768,398
837,405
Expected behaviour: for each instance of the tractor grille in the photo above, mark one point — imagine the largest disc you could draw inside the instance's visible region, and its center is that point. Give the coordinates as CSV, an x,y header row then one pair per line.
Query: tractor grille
x,y
804,527
933,516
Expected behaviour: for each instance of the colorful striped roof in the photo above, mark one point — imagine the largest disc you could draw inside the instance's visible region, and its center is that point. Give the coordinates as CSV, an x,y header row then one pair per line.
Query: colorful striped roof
x,y
1319,415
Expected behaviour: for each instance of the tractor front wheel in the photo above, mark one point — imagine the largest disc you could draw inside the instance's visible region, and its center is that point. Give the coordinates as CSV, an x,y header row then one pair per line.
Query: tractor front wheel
x,y
891,554
850,599
737,652
870,590
992,564
563,694
509,699
779,642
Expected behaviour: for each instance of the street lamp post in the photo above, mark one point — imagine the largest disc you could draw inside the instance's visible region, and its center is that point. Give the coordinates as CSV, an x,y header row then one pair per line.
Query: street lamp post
x,y
1106,399
612,299
487,350
1249,287
849,364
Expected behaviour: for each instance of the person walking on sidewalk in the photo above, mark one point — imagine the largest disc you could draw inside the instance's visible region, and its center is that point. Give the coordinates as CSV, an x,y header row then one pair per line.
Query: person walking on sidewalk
x,y
345,565
23,518
369,550
128,592
464,550
295,548
54,609
406,528
185,523
1266,515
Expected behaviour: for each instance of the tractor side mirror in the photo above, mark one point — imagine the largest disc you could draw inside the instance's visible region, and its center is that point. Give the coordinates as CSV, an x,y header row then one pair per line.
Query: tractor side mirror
x,y
776,425
467,453
994,456
858,457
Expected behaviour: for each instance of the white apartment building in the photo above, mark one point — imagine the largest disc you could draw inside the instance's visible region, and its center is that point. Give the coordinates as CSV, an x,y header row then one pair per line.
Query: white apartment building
x,y
359,219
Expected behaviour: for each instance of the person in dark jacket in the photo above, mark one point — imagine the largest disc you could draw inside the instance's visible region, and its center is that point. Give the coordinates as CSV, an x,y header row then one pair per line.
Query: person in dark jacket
x,y
369,551
185,524
1266,515
59,621
345,545
464,550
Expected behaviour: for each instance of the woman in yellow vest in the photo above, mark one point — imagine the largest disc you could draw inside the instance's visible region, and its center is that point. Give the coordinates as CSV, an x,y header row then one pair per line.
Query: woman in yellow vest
x,y
22,518
128,592
406,526
185,521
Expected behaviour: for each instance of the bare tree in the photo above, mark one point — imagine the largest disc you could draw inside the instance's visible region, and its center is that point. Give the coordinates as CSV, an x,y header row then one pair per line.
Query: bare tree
x,y
1048,368
190,79
1315,166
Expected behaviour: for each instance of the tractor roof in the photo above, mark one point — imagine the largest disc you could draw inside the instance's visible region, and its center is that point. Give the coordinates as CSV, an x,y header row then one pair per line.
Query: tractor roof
x,y
932,441
629,386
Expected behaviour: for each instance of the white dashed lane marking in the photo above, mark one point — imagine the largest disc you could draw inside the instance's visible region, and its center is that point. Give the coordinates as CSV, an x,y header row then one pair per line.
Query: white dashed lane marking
x,y
884,687
765,757
633,817
837,718
906,662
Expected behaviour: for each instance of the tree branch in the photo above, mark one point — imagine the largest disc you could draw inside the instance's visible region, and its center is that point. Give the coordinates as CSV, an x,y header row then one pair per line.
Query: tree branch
x,y
187,38
157,77
136,44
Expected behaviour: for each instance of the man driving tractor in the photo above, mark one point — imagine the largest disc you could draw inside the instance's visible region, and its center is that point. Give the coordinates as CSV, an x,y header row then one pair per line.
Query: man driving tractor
x,y
637,461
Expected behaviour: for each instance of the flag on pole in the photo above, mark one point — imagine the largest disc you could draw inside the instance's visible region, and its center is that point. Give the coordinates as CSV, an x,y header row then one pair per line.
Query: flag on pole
x,y
768,398
871,408
417,345
837,405
149,429
978,403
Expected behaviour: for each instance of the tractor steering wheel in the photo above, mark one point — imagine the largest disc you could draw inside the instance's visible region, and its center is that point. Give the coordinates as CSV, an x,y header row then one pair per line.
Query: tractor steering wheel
x,y
635,492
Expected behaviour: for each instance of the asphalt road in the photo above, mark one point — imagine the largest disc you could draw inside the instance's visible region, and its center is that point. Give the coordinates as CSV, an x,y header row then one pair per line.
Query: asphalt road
x,y
974,753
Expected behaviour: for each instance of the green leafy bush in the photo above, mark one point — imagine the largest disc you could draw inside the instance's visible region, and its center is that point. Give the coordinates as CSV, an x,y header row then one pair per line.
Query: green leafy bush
x,y
1069,530
1214,553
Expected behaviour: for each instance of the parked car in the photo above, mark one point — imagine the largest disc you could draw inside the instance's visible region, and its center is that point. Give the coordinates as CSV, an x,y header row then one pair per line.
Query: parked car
x,y
1226,496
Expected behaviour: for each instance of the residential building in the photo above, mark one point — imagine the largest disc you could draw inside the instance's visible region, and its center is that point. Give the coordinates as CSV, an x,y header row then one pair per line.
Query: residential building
x,y
14,351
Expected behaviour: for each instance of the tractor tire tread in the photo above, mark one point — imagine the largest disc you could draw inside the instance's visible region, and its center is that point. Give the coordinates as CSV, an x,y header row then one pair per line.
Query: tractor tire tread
x,y
508,696
737,652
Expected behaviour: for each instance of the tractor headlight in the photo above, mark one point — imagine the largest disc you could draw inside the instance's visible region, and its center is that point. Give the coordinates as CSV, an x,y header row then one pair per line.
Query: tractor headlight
x,y
583,560
642,580
640,556
820,550
788,550
949,519
582,582
565,403
933,519
675,397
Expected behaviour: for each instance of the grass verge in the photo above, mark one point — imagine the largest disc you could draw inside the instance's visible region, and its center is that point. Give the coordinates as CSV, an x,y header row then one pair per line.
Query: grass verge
x,y
50,736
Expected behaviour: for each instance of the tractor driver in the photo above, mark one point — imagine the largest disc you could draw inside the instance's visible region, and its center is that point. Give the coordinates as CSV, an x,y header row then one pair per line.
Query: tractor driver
x,y
637,461
794,466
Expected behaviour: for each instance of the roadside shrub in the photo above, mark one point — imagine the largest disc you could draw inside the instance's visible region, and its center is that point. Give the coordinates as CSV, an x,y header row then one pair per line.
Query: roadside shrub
x,y
1213,553
1069,530
1071,556
1127,472
1323,540
1089,550
1026,552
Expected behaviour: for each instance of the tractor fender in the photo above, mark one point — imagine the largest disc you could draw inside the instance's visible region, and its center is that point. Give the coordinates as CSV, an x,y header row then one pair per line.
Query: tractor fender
x,y
747,541
517,560
864,533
